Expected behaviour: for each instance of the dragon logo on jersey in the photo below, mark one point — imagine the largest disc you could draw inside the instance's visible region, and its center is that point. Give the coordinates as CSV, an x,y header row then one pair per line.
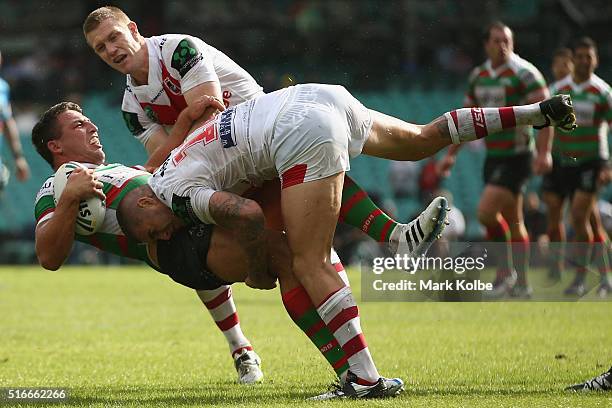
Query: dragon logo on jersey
x,y
181,207
151,114
185,56
132,123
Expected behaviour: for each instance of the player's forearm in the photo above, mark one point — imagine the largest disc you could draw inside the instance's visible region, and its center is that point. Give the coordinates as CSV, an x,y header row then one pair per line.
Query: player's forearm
x,y
54,238
175,138
544,140
246,219
12,136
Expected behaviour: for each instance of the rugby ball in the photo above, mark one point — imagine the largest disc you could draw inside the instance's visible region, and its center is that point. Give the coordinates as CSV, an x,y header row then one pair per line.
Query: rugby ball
x,y
91,211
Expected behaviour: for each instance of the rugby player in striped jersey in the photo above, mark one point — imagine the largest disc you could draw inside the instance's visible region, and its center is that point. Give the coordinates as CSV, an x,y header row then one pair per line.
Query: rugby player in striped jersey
x,y
505,79
582,158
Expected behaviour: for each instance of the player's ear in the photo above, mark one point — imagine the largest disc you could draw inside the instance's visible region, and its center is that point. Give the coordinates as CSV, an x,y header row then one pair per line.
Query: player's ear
x,y
146,202
133,30
54,146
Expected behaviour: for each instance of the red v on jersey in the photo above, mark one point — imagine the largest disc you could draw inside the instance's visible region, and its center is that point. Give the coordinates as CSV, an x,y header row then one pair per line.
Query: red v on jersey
x,y
166,114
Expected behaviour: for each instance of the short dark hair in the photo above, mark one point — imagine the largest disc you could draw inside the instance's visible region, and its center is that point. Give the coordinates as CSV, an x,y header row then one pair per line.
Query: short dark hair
x,y
96,17
584,42
46,128
486,34
563,52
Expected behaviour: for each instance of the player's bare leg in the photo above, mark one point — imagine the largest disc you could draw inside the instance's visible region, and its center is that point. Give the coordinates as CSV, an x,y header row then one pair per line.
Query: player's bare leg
x,y
394,139
493,200
519,238
556,234
601,252
310,213
311,210
581,208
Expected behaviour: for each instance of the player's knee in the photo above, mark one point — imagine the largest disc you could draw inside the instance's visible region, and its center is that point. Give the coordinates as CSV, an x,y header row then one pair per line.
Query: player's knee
x,y
305,267
486,217
579,215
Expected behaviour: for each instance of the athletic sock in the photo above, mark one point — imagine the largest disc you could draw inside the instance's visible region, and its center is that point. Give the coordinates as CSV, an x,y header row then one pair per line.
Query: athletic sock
x,y
221,307
556,256
360,211
520,259
600,255
580,257
340,313
474,123
304,314
335,261
500,232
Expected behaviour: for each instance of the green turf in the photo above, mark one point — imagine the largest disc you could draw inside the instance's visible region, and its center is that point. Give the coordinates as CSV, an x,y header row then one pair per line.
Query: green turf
x,y
129,336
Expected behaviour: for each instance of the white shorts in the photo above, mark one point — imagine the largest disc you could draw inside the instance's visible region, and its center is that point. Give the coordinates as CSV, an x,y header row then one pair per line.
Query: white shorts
x,y
320,128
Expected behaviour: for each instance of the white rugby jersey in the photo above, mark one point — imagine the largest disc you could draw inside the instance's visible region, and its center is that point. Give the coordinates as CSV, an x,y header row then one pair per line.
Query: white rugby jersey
x,y
229,153
178,63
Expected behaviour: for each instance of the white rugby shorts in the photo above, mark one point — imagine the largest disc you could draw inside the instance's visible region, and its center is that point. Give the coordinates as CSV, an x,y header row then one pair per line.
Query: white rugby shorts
x,y
317,132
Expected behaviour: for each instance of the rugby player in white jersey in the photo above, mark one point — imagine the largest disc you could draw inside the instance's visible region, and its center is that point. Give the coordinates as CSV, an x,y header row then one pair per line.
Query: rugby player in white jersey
x,y
305,135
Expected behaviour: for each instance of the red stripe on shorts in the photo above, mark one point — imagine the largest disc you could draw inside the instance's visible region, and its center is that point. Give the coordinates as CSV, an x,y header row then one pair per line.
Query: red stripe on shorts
x,y
294,175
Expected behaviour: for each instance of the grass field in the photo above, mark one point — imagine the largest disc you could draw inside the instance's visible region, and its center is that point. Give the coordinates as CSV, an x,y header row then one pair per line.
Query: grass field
x,y
128,336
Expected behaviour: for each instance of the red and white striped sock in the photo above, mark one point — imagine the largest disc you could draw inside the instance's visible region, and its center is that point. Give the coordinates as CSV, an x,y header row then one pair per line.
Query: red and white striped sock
x,y
474,123
341,315
221,307
335,261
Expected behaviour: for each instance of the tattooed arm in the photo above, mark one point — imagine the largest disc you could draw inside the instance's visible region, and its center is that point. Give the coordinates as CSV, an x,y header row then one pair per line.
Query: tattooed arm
x,y
245,217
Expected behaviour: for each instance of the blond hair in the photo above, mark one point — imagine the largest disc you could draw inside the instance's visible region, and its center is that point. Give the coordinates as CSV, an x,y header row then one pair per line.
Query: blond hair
x,y
96,17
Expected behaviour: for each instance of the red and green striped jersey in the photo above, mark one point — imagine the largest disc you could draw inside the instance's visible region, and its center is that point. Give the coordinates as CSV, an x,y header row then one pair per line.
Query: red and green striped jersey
x,y
117,180
592,101
507,85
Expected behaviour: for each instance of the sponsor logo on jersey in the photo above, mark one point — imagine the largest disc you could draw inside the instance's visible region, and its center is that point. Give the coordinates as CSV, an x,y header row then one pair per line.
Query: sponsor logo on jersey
x,y
132,123
181,207
151,114
185,56
225,128
46,189
171,86
159,93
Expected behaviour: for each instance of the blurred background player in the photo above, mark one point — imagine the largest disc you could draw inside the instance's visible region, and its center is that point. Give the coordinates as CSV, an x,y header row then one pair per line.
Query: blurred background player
x,y
554,188
8,129
506,79
583,163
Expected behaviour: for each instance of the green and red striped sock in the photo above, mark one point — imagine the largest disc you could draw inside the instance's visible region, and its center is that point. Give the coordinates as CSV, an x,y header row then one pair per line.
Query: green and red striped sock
x,y
360,211
600,254
520,258
305,315
500,232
